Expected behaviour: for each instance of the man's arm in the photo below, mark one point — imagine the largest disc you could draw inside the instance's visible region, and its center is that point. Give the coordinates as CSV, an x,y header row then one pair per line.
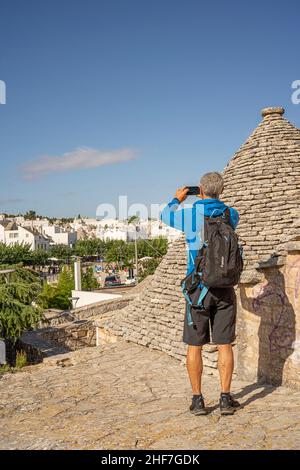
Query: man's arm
x,y
234,217
170,215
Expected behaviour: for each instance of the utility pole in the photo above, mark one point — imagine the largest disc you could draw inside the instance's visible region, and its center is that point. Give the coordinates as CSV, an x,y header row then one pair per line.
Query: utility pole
x,y
77,274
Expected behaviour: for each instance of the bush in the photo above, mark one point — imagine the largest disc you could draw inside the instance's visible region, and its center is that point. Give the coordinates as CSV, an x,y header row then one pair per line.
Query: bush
x,y
89,282
21,359
58,296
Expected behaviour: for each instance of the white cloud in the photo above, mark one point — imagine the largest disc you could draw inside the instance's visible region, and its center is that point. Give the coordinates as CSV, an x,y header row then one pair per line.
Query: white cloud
x,y
77,159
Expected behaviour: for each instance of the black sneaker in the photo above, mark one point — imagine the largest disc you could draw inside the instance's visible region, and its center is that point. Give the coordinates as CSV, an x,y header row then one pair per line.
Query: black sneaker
x,y
228,405
197,407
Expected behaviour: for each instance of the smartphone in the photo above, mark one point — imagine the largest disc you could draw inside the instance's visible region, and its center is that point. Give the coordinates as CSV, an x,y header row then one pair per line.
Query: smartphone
x,y
193,190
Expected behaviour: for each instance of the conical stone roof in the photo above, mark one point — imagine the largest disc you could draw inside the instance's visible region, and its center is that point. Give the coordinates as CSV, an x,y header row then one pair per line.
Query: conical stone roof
x,y
262,181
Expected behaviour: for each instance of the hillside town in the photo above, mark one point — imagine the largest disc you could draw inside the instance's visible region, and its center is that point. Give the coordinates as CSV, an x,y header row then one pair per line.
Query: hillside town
x,y
41,233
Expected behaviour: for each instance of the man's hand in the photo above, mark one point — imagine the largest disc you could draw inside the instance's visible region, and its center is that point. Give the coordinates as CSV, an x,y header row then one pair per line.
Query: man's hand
x,y
181,193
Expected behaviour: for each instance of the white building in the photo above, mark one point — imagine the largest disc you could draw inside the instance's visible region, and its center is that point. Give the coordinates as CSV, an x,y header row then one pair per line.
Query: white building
x,y
158,229
59,235
11,234
112,229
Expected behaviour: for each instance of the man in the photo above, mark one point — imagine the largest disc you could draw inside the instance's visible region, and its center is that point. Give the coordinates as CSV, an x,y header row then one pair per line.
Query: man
x,y
219,306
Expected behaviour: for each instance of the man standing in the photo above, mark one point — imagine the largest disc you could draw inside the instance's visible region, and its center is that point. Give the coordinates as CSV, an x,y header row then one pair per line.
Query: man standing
x,y
218,314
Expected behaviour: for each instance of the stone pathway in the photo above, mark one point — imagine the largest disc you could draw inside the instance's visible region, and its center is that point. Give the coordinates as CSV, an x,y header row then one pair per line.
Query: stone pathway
x,y
125,396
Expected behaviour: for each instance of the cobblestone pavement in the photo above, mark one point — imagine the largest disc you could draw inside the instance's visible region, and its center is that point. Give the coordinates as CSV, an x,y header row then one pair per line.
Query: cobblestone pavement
x,y
124,396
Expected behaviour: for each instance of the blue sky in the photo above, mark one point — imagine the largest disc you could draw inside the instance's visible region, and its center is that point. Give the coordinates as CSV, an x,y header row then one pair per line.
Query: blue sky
x,y
160,91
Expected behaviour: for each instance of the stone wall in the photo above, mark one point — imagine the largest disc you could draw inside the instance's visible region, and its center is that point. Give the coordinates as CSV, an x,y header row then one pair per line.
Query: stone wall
x,y
78,328
269,324
76,335
54,317
262,181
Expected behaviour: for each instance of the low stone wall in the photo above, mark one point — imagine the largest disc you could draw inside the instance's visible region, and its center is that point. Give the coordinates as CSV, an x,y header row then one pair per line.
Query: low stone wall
x,y
101,308
54,317
62,331
33,353
77,335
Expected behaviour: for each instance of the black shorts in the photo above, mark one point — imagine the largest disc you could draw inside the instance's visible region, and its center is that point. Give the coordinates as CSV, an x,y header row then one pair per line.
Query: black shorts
x,y
218,316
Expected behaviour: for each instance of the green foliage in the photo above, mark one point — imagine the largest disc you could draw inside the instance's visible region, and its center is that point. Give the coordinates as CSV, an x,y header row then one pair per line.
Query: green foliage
x,y
14,254
119,253
89,282
5,368
133,220
30,215
148,268
156,248
21,359
63,252
38,258
46,298
18,293
58,296
90,247
21,253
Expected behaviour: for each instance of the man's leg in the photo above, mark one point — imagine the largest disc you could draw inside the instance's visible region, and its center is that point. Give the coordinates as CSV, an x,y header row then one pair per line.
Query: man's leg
x,y
225,366
194,366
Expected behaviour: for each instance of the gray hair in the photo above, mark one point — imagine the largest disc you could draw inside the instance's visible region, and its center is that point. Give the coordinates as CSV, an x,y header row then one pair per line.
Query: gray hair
x,y
212,184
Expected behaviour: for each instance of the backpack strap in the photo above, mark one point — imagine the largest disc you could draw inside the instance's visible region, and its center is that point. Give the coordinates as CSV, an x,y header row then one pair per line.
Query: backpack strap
x,y
203,293
226,215
188,305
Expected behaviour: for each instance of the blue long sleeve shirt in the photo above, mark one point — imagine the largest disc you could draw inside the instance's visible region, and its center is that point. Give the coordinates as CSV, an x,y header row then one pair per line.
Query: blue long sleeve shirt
x,y
190,220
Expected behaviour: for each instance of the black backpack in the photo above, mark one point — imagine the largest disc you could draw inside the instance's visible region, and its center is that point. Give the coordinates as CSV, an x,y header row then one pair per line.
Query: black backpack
x,y
219,262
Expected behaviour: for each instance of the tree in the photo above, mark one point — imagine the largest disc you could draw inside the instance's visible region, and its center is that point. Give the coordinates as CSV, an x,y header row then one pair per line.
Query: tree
x,y
93,247
89,282
155,247
148,268
14,254
18,292
46,299
30,215
61,251
64,289
38,258
118,253
21,253
58,296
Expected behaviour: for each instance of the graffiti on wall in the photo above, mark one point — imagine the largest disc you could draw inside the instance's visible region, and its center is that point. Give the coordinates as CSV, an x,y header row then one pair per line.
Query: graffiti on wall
x,y
271,297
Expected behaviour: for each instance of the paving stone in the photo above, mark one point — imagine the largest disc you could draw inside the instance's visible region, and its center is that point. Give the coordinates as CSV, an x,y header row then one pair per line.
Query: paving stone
x,y
125,396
